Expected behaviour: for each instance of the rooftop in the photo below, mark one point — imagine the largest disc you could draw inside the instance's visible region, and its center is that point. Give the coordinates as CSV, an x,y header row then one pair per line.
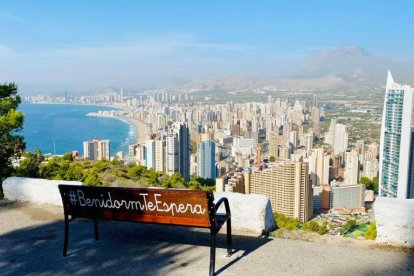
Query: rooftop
x,y
31,239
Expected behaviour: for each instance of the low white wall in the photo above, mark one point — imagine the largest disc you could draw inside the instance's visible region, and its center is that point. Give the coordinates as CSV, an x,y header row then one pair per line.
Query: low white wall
x,y
395,221
249,213
34,190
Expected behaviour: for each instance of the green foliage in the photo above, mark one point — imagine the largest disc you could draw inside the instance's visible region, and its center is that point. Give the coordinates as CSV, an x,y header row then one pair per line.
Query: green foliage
x,y
370,184
11,123
93,180
136,172
272,158
350,224
311,226
68,156
323,229
106,173
30,165
284,222
371,233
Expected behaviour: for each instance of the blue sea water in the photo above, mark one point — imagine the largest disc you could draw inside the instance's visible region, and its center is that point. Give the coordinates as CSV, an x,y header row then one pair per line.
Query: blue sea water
x,y
60,128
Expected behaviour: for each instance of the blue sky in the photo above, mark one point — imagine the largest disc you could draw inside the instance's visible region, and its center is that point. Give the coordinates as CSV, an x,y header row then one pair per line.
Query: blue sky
x,y
86,45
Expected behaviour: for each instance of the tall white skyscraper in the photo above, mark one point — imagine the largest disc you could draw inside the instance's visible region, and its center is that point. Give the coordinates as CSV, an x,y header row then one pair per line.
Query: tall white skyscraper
x,y
178,150
352,167
396,177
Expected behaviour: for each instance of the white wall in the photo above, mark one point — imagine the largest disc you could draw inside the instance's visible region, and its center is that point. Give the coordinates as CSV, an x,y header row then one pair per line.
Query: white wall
x,y
249,213
34,190
395,221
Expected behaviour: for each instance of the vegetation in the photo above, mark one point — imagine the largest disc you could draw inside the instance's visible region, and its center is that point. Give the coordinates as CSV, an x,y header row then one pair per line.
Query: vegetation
x,y
11,123
272,158
284,222
370,184
104,173
350,224
313,226
371,233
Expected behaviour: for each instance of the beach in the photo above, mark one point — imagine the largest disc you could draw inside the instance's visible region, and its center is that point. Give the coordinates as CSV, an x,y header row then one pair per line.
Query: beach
x,y
141,129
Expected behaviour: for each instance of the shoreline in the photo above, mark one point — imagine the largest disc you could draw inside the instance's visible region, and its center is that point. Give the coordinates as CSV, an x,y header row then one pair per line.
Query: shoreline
x,y
142,130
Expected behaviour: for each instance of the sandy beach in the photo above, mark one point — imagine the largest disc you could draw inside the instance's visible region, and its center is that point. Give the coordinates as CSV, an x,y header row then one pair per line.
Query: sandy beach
x,y
142,130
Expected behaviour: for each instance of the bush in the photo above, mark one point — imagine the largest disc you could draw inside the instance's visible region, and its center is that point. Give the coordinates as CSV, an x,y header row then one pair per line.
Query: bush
x,y
284,222
348,226
371,233
311,226
322,230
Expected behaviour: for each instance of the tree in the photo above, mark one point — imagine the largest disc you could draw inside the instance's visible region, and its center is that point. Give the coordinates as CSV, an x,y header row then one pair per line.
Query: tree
x,y
30,165
93,180
11,123
370,184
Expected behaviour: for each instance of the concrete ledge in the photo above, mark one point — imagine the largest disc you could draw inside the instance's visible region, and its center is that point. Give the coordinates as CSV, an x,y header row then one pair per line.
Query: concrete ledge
x,y
34,190
249,213
395,221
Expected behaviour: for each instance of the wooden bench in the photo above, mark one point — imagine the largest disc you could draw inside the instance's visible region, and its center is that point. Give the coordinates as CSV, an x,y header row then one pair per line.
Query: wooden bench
x,y
160,206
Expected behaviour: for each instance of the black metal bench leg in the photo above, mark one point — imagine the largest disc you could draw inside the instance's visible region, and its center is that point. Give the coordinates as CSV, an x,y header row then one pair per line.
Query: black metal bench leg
x,y
212,253
65,243
95,226
229,237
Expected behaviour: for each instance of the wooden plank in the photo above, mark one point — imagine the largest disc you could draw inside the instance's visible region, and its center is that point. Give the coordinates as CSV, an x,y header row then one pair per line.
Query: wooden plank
x,y
166,206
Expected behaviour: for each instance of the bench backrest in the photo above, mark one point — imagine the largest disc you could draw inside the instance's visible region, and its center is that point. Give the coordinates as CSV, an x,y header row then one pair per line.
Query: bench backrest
x,y
179,207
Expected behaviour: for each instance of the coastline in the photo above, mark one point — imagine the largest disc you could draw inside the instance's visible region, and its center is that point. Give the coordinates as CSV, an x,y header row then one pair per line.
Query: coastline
x,y
142,130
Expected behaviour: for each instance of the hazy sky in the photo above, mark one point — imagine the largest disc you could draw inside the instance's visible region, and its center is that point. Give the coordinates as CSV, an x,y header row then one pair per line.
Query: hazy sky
x,y
52,46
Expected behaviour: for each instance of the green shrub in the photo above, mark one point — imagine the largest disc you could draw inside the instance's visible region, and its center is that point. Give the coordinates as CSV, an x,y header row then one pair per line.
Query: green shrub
x,y
284,222
371,233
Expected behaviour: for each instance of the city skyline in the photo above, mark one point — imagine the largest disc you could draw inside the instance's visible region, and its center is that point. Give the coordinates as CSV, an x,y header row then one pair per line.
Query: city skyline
x,y
144,45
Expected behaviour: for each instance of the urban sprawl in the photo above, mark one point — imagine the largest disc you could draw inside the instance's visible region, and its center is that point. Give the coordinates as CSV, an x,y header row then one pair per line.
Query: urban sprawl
x,y
306,158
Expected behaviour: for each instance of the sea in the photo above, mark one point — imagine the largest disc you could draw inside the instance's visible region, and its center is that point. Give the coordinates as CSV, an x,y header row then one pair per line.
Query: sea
x,y
61,128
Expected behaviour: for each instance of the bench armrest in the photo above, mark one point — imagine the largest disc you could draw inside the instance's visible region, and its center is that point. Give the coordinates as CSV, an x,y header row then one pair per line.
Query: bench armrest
x,y
226,206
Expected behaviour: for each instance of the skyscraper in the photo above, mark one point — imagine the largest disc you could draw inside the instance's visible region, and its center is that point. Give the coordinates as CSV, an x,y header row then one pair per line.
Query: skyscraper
x,y
288,187
206,159
178,150
352,167
396,147
96,149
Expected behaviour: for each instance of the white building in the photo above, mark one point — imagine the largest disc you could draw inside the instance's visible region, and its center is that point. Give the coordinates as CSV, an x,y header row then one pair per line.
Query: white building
x,y
351,167
396,158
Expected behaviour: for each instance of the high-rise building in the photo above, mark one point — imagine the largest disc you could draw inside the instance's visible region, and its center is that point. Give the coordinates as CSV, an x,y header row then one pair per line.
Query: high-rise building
x,y
396,177
178,150
288,187
150,156
96,149
340,143
159,156
319,167
206,159
352,167
171,156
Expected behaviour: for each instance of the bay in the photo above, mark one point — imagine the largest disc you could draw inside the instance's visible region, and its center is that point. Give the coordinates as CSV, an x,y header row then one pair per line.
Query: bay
x,y
61,128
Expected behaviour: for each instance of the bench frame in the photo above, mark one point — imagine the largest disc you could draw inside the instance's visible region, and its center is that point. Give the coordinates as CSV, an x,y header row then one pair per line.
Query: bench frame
x,y
216,220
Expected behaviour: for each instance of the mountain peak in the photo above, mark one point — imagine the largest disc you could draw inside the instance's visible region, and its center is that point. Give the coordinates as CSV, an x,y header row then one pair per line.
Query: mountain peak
x,y
346,51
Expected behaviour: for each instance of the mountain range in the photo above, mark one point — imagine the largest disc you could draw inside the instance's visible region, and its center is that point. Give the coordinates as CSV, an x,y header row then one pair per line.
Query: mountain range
x,y
349,66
